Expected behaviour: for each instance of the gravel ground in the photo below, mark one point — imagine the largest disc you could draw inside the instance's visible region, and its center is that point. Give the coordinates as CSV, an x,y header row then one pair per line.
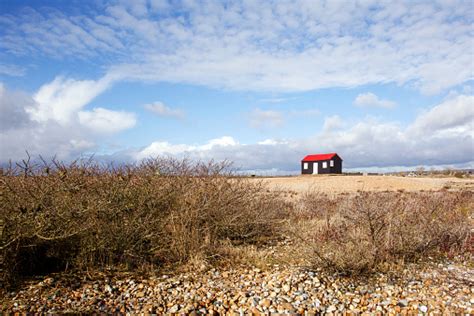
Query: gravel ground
x,y
435,289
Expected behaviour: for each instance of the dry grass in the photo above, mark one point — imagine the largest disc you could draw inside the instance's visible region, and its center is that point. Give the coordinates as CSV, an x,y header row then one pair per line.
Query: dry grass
x,y
355,234
163,211
336,184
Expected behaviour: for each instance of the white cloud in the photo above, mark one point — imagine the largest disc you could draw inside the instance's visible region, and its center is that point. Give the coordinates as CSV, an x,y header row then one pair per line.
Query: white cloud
x,y
455,114
12,70
275,99
332,123
107,121
265,118
61,99
366,144
160,109
159,5
165,148
161,148
371,100
271,142
304,113
222,142
12,112
272,46
51,124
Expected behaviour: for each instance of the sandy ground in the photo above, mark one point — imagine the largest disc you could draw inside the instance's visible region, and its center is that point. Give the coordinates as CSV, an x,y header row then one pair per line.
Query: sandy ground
x,y
339,184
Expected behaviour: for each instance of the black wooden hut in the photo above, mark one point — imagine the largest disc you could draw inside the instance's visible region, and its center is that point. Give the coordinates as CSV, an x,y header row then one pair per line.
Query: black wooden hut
x,y
321,164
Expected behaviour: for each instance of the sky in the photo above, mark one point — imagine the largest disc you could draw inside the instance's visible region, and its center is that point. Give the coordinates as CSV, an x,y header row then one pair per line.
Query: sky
x,y
388,85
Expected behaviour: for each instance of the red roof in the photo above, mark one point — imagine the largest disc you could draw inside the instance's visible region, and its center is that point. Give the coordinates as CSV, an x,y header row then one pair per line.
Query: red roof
x,y
319,157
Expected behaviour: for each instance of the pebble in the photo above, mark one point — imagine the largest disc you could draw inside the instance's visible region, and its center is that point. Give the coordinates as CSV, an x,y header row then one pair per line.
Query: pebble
x,y
247,290
331,309
265,302
403,303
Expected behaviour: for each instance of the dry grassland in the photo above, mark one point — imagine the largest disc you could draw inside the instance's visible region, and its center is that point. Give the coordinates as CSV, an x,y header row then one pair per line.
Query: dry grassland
x,y
334,184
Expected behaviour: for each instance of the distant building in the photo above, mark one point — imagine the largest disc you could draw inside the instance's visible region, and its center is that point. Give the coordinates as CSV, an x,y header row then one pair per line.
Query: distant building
x,y
321,164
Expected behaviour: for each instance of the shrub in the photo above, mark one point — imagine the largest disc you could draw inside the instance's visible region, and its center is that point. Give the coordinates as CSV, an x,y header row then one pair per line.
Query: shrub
x,y
85,215
368,229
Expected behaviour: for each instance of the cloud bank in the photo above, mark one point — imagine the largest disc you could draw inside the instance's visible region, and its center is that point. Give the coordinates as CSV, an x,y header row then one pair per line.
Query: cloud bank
x,y
53,121
434,138
442,134
260,45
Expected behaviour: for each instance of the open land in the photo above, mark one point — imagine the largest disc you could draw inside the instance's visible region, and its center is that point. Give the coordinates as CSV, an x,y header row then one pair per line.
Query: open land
x,y
279,277
335,184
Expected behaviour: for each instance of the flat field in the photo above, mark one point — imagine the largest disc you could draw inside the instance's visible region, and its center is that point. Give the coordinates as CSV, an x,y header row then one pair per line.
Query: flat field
x,y
349,184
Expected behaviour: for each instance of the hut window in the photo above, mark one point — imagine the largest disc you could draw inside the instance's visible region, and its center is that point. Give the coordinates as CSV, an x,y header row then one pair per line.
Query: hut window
x,y
305,165
331,163
325,164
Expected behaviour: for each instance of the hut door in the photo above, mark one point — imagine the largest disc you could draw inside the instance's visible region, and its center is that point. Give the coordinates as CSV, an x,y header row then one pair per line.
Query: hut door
x,y
315,168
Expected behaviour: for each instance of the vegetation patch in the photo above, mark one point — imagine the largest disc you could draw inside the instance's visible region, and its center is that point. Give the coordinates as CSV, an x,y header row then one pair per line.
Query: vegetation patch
x,y
359,233
178,213
163,211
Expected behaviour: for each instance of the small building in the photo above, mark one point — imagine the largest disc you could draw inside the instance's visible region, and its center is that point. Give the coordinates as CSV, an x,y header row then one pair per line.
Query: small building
x,y
321,164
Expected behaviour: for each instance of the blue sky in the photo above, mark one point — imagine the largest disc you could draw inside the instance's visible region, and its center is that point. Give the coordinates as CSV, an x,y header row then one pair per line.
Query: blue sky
x,y
387,85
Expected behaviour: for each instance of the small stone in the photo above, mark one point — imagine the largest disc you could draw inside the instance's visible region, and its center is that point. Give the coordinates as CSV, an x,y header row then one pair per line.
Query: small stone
x,y
108,289
331,309
287,307
402,303
173,309
265,302
48,281
423,308
385,303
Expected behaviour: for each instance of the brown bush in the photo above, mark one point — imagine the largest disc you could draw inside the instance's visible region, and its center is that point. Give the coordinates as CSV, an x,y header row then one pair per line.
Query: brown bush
x,y
84,215
359,233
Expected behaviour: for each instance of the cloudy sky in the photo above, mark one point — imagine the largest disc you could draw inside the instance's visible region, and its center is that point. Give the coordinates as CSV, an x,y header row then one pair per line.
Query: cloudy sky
x,y
262,83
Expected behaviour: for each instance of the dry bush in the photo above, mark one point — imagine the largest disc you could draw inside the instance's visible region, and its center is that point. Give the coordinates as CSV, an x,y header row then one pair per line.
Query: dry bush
x,y
83,215
353,234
